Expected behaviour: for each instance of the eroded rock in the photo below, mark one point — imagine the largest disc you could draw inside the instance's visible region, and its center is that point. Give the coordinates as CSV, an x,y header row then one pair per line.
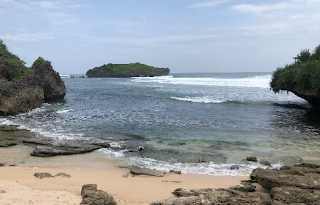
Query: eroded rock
x,y
291,195
43,175
144,171
303,177
92,196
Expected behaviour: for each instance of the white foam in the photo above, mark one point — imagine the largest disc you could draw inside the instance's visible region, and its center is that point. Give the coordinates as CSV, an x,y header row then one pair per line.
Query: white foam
x,y
199,168
62,111
64,75
113,153
199,99
254,81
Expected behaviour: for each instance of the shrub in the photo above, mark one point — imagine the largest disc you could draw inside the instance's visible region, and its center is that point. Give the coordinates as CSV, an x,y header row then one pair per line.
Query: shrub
x,y
303,74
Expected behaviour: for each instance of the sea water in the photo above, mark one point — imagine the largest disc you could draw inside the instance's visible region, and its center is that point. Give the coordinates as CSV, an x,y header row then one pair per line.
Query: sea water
x,y
197,123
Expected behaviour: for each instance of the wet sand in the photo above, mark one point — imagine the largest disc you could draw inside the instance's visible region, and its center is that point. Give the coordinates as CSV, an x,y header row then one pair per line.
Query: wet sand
x,y
19,186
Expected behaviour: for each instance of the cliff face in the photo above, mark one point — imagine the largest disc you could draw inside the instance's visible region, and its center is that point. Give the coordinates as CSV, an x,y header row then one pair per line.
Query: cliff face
x,y
23,89
313,97
126,71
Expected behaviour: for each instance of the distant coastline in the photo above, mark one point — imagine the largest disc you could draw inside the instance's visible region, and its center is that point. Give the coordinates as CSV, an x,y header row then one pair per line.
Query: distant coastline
x,y
126,71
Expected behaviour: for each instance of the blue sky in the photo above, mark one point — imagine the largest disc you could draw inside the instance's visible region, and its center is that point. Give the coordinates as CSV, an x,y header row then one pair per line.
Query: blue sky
x,y
184,35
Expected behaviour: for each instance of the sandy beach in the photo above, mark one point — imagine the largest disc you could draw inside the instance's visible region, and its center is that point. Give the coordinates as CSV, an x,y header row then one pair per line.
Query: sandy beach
x,y
18,185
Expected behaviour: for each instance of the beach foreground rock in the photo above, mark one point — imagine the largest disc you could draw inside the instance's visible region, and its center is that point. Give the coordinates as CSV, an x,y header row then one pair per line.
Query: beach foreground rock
x,y
296,176
92,196
294,185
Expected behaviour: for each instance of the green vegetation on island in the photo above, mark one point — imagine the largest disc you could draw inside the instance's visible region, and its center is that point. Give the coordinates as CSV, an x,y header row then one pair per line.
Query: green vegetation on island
x,y
127,71
304,74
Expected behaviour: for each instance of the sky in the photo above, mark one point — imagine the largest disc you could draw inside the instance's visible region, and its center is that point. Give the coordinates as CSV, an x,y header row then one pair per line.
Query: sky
x,y
183,35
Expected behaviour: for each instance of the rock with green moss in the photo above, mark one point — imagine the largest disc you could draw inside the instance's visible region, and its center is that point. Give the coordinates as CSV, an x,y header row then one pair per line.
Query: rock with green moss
x,y
23,89
126,71
301,78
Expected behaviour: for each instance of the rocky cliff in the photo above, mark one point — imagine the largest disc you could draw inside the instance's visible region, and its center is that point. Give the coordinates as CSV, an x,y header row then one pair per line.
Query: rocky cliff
x,y
23,89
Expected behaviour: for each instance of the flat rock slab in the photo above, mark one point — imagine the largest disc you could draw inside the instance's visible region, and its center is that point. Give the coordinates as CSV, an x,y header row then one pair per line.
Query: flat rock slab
x,y
303,177
291,195
218,196
48,175
144,171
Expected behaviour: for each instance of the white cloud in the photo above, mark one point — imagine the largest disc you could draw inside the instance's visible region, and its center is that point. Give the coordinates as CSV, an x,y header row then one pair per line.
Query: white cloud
x,y
152,41
251,8
27,37
299,16
209,3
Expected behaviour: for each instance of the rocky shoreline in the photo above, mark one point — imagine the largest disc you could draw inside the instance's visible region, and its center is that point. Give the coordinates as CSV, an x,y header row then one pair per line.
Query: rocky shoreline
x,y
298,184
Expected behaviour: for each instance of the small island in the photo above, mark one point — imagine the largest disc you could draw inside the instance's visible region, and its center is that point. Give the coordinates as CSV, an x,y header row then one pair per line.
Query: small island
x,y
301,77
126,71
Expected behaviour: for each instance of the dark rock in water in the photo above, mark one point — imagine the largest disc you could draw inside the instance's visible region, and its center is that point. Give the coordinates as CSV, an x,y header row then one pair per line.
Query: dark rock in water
x,y
291,195
177,144
92,196
175,172
265,163
29,92
302,177
234,167
171,155
63,175
252,159
244,187
50,151
10,135
144,171
43,175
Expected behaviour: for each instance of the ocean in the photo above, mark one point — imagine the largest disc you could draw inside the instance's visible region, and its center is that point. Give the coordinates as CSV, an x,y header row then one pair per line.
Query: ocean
x,y
199,123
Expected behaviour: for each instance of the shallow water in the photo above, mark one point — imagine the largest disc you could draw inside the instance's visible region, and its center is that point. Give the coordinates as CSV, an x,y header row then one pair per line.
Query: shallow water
x,y
183,119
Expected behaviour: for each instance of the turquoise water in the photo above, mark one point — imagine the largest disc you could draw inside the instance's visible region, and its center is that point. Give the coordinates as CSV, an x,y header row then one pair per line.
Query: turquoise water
x,y
183,119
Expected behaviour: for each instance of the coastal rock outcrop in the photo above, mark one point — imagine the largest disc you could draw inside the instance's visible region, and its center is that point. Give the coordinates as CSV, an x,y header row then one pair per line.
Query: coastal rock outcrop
x,y
23,89
11,135
92,196
217,196
300,77
294,176
294,185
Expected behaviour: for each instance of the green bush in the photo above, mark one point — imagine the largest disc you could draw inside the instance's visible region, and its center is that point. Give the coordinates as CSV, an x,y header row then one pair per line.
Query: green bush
x,y
303,74
11,67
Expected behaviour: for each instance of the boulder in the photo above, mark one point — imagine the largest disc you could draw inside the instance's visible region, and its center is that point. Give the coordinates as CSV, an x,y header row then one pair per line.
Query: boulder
x,y
92,196
144,171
